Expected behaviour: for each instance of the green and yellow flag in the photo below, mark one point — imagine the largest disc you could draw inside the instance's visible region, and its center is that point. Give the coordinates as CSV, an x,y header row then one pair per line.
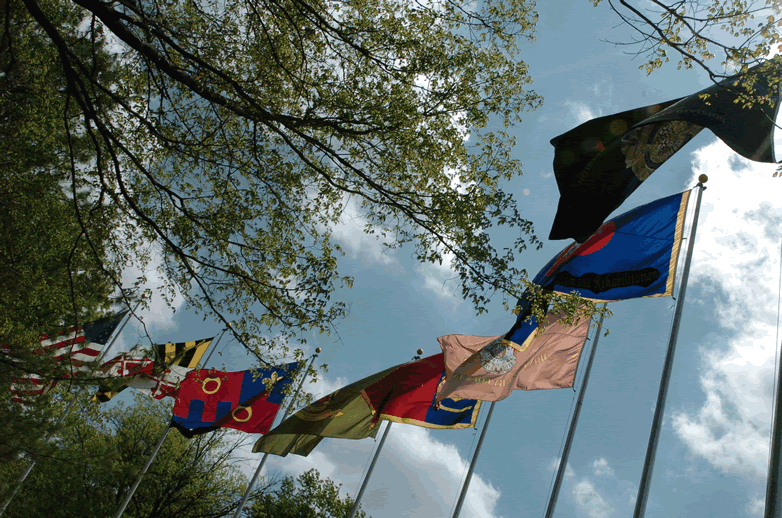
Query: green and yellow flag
x,y
344,414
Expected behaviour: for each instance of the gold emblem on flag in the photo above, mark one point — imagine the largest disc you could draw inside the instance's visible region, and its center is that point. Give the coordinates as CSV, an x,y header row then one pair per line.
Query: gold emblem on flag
x,y
207,380
249,414
320,409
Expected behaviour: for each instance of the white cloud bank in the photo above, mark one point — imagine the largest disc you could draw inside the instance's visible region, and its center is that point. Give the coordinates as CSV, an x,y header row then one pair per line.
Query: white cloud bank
x,y
601,497
736,253
417,474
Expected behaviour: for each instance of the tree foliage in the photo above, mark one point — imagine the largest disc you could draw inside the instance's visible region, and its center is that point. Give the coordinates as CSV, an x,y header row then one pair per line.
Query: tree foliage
x,y
234,135
308,496
96,456
741,33
51,268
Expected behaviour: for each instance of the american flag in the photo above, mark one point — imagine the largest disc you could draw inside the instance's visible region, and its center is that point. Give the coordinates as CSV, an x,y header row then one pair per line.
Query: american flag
x,y
78,348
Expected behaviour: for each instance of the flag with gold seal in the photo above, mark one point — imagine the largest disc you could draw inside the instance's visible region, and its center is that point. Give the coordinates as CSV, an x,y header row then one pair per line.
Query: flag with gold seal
x,y
246,400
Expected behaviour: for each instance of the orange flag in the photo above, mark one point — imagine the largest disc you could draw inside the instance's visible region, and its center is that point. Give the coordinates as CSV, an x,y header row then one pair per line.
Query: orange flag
x,y
489,368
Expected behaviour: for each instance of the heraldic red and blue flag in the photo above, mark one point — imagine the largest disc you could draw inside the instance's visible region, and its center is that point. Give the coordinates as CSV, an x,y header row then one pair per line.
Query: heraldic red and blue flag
x,y
246,400
633,255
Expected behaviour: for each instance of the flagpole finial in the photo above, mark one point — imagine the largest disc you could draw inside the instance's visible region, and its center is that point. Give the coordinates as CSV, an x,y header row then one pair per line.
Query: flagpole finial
x,y
317,350
703,178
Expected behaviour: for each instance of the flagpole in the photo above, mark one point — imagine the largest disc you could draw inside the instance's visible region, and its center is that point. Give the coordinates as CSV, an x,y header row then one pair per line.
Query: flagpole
x,y
773,493
466,484
651,451
160,441
68,408
288,410
552,503
364,483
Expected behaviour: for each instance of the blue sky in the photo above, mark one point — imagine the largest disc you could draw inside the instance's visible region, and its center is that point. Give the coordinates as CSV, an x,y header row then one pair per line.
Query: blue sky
x,y
714,445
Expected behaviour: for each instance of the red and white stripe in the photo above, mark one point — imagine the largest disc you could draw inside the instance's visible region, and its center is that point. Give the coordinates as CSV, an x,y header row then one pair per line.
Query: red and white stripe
x,y
71,345
137,365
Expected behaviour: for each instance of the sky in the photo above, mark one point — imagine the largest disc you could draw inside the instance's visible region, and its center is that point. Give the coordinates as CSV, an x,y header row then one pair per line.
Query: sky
x,y
712,456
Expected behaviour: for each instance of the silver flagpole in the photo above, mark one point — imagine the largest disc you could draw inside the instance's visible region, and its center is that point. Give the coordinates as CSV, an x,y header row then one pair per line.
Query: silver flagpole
x,y
160,441
651,451
288,410
360,494
364,482
70,406
466,484
552,503
773,490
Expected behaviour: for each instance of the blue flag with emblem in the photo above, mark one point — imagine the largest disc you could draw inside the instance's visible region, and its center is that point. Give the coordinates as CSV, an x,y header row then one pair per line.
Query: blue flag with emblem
x,y
631,256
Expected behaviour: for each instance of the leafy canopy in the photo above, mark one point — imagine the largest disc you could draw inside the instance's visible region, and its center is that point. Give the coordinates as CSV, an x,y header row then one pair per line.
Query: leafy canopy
x,y
97,454
232,136
305,497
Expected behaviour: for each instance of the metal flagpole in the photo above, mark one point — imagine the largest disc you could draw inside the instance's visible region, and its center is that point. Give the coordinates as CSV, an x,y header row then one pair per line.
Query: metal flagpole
x,y
364,482
466,484
651,451
68,409
552,503
160,441
288,411
773,490
357,502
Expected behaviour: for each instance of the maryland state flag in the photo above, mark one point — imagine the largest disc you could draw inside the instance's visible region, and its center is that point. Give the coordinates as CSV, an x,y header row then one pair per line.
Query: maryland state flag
x,y
601,162
403,394
633,255
489,368
75,353
244,400
157,372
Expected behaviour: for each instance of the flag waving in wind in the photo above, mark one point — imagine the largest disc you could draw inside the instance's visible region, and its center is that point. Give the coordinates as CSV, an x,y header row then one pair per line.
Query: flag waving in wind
x,y
633,255
601,162
157,372
75,352
246,400
489,368
404,394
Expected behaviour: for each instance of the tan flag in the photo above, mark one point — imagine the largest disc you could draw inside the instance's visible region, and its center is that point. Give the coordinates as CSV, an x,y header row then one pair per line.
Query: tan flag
x,y
489,368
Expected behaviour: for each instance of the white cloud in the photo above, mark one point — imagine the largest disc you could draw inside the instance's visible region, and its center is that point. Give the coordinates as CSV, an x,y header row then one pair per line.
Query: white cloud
x,y
756,507
589,500
601,468
581,111
349,231
554,465
417,474
441,280
736,260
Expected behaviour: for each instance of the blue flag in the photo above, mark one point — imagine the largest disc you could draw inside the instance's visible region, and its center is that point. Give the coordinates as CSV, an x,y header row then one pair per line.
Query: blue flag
x,y
633,255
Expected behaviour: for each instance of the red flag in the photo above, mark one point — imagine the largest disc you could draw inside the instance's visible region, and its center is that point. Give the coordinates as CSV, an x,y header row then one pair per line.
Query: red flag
x,y
244,400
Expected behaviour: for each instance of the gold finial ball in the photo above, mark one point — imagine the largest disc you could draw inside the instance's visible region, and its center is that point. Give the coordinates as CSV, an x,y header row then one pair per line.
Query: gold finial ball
x,y
419,351
703,178
317,350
